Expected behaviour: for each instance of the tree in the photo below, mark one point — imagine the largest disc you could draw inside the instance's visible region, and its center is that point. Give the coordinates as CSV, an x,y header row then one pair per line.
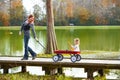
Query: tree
x,y
16,12
37,13
51,37
69,8
60,12
95,12
4,13
84,15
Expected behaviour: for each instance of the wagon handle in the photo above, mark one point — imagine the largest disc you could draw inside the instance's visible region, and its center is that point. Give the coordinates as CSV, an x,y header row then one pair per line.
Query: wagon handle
x,y
70,46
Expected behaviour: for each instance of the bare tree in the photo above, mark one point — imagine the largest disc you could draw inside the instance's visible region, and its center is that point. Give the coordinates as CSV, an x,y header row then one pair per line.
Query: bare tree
x,y
51,37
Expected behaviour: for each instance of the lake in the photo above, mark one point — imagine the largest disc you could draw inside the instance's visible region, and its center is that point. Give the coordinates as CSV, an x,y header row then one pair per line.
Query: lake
x,y
95,42
95,39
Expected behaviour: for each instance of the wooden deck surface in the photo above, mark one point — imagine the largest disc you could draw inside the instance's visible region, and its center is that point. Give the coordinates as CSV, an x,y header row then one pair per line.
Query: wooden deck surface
x,y
84,63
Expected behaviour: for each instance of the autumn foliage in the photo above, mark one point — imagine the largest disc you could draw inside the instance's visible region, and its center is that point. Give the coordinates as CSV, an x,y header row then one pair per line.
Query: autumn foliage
x,y
69,8
11,12
4,19
16,12
77,12
84,15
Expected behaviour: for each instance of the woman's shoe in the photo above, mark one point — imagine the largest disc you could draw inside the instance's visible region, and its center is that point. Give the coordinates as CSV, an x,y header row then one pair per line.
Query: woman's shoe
x,y
33,58
24,59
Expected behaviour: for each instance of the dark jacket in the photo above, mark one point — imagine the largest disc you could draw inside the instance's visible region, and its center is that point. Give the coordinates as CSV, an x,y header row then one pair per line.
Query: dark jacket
x,y
26,28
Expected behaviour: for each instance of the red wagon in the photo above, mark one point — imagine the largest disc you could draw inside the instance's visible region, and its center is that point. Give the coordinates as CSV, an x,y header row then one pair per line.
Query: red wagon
x,y
75,55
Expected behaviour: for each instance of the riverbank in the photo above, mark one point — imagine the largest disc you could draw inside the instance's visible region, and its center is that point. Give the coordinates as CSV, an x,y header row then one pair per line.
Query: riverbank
x,y
61,27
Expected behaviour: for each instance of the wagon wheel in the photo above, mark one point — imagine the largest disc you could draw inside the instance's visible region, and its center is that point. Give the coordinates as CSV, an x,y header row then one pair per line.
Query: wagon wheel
x,y
78,57
73,58
55,58
60,57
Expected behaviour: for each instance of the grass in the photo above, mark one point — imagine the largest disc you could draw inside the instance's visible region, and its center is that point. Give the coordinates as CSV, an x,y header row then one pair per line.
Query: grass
x,y
45,55
87,27
27,76
18,28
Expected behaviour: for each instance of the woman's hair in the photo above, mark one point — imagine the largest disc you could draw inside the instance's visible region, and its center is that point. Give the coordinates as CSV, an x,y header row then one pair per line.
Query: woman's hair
x,y
30,16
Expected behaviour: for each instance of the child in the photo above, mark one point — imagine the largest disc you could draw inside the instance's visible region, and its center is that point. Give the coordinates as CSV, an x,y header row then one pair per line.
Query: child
x,y
76,44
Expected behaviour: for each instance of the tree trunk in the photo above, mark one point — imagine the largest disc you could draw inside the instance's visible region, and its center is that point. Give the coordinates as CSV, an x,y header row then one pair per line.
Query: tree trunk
x,y
51,36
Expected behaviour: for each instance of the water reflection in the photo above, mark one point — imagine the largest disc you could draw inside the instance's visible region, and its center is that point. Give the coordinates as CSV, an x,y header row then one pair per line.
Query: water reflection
x,y
10,43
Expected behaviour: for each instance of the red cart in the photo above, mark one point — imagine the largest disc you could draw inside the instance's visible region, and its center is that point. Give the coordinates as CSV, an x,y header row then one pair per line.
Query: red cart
x,y
75,55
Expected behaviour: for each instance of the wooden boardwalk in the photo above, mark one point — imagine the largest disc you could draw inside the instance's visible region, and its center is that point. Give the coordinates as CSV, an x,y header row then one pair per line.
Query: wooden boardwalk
x,y
84,63
89,65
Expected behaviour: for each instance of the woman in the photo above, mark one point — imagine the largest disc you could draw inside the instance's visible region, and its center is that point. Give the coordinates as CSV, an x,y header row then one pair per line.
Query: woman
x,y
27,24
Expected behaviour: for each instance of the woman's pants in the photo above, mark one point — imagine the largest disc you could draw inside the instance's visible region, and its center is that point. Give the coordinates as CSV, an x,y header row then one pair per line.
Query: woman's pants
x,y
27,48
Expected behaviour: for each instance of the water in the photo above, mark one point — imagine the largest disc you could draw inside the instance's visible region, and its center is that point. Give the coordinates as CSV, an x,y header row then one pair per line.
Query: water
x,y
91,40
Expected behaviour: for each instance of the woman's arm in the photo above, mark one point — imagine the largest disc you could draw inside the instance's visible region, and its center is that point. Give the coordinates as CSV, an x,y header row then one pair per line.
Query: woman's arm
x,y
33,30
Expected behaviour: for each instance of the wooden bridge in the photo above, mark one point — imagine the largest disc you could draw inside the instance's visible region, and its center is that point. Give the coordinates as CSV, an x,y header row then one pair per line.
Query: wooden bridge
x,y
89,65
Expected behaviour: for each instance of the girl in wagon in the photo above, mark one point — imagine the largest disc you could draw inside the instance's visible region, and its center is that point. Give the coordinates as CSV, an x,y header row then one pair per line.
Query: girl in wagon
x,y
76,47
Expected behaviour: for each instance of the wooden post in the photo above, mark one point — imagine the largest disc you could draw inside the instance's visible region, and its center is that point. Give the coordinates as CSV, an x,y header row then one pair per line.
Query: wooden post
x,y
24,69
60,71
89,73
5,70
101,72
50,70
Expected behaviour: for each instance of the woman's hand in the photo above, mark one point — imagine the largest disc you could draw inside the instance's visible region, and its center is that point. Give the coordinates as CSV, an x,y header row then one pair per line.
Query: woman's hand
x,y
36,39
